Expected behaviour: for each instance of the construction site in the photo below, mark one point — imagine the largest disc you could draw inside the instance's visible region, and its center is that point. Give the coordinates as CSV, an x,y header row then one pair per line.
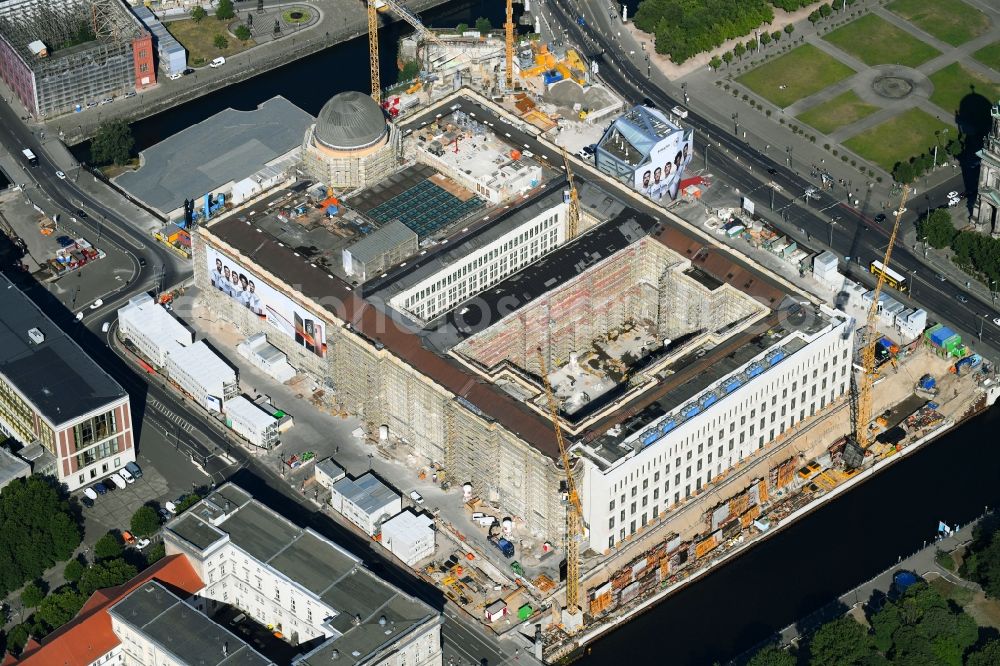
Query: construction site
x,y
65,55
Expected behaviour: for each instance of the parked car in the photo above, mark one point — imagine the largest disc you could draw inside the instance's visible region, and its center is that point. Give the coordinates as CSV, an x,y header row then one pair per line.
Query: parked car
x,y
107,100
188,71
141,543
165,515
124,473
64,241
90,493
105,327
218,62
171,507
128,538
86,501
416,497
118,481
880,218
130,93
175,76
100,488
134,469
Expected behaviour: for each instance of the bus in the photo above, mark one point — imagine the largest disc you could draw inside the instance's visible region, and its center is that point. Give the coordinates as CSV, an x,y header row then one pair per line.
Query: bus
x,y
30,156
892,278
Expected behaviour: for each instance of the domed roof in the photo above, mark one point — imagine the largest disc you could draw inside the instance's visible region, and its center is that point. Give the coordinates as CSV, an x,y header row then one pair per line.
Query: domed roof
x,y
350,120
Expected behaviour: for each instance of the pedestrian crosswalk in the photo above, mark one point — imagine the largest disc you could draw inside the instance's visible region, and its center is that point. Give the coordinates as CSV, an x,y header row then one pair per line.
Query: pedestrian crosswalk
x,y
170,415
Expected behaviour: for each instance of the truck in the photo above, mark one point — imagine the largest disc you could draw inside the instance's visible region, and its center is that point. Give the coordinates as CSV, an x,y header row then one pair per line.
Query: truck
x,y
30,157
504,546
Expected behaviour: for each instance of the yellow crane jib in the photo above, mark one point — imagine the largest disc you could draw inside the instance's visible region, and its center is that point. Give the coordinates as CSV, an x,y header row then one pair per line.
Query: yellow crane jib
x,y
373,51
866,382
573,218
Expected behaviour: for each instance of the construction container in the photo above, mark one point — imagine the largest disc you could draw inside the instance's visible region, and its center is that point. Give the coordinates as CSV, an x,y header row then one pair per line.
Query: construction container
x,y
524,612
552,76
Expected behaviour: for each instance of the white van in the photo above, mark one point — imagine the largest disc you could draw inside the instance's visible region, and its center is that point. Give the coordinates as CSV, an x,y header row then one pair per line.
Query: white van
x,y
118,481
679,111
124,473
218,62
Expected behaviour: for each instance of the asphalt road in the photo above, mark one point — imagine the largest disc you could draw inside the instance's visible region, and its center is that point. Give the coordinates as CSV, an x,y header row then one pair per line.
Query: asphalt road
x,y
855,233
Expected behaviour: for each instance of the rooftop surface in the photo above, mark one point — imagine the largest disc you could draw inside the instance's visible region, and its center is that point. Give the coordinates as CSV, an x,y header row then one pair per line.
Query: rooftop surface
x,y
11,467
240,406
56,376
323,568
366,491
364,309
229,146
203,364
187,634
377,243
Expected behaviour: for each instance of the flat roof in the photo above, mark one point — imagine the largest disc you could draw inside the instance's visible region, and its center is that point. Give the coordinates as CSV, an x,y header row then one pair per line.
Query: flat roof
x,y
367,492
153,319
372,319
335,576
56,376
381,241
240,406
189,635
11,467
227,147
203,364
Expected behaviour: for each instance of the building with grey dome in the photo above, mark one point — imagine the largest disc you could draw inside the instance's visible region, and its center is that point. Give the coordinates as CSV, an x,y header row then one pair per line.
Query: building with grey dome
x,y
352,144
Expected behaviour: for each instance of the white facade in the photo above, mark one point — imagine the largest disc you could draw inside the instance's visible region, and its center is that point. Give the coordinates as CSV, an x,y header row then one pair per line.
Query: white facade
x,y
152,329
328,473
365,501
658,472
274,598
265,356
251,422
480,270
409,536
202,374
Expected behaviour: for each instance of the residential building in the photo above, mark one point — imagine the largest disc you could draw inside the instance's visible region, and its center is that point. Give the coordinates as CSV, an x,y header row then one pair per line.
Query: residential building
x,y
151,329
309,589
53,394
409,536
365,501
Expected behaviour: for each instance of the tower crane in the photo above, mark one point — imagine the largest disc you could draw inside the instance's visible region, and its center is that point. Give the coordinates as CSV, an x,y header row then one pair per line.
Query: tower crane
x,y
373,51
573,218
866,382
509,43
572,615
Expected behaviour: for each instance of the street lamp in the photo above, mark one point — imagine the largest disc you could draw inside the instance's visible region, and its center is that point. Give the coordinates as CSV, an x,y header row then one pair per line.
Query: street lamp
x,y
937,140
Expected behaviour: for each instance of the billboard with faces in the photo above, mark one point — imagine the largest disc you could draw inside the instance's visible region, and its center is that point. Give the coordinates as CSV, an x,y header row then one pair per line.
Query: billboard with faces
x,y
233,280
660,177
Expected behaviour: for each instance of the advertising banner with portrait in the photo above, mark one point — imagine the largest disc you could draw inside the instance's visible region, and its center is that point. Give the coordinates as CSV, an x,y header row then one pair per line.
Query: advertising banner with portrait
x,y
241,285
660,177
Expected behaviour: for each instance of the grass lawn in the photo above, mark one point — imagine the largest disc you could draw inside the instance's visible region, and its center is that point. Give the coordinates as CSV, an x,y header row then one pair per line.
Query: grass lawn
x,y
989,56
952,83
951,21
874,41
802,71
908,134
197,38
842,110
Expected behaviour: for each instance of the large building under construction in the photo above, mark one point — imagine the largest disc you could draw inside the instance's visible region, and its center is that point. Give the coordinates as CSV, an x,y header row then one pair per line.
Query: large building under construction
x,y
61,55
667,354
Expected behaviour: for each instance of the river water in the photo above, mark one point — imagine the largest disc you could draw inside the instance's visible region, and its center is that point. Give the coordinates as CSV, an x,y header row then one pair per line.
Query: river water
x,y
310,82
781,579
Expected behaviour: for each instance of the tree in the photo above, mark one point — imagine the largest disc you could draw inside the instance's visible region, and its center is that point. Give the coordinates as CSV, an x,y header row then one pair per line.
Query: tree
x,y
242,33
198,14
751,45
903,172
37,526
220,42
409,71
32,595
17,638
776,35
112,144
728,57
187,502
145,521
461,27
105,574
840,643
483,25
772,655
838,4
108,547
789,29
814,17
73,570
988,655
825,10
682,28
937,228
59,608
739,50
715,63
225,11
155,553
765,38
